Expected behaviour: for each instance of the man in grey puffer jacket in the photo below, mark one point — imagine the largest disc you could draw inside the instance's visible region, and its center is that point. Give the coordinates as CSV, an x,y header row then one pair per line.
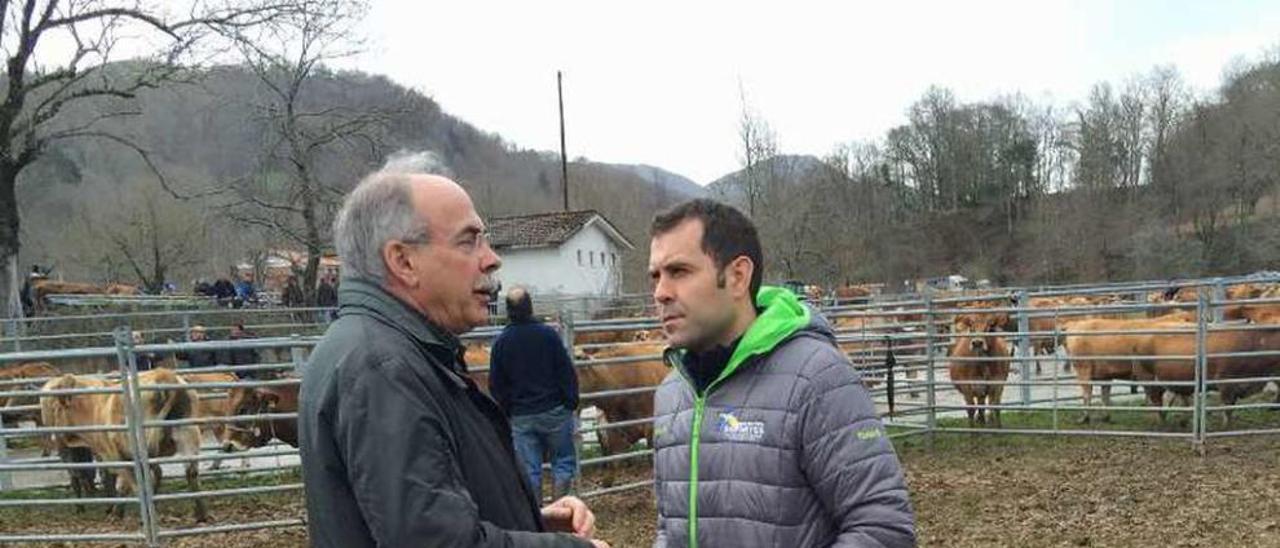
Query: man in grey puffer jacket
x,y
764,434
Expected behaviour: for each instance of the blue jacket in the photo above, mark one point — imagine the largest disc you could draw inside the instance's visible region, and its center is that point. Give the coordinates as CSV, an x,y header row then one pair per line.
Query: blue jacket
x,y
530,370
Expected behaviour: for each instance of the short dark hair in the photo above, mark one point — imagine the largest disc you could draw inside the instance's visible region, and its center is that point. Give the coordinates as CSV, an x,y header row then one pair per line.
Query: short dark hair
x,y
519,306
726,235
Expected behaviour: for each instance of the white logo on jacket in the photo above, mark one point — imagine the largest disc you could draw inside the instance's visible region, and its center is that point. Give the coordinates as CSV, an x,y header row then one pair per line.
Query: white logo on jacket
x,y
736,430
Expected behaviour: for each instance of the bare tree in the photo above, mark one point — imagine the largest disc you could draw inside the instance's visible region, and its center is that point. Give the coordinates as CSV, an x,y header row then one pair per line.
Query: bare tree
x,y
759,145
313,150
44,79
149,234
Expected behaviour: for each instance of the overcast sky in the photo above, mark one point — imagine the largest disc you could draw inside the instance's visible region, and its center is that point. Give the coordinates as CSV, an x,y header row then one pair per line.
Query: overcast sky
x,y
657,82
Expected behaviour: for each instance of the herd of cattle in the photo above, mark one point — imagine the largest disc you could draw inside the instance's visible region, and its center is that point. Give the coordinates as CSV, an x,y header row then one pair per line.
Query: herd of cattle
x,y
1150,347
1102,342
66,400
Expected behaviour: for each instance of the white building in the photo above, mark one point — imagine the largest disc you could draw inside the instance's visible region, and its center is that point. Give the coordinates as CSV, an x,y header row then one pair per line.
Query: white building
x,y
576,253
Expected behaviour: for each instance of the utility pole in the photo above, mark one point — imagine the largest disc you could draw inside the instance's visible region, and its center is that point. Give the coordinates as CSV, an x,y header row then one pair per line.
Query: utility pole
x,y
564,159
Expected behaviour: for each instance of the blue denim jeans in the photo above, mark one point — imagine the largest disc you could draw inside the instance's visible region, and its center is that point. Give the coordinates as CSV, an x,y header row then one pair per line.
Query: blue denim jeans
x,y
550,432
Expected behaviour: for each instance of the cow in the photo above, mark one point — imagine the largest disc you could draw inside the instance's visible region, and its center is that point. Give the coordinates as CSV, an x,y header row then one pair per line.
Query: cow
x,y
38,373
213,403
120,289
978,339
1080,345
109,409
644,373
261,400
605,337
1217,367
1047,322
852,294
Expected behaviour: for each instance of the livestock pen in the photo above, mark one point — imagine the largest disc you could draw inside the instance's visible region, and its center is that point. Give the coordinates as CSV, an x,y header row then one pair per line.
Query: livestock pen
x,y
901,344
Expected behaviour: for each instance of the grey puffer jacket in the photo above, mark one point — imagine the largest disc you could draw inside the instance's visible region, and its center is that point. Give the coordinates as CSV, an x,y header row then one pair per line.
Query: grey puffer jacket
x,y
789,449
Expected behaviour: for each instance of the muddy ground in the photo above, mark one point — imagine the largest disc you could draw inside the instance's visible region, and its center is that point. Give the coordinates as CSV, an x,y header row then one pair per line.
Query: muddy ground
x,y
968,490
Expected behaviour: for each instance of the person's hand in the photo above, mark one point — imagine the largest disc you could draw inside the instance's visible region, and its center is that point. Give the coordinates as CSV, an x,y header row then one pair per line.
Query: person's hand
x,y
570,515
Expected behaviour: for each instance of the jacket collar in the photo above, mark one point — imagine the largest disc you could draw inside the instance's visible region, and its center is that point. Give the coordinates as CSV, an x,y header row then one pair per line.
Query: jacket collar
x,y
357,296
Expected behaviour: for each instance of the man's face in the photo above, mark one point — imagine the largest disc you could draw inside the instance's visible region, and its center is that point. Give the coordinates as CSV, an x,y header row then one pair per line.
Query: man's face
x,y
696,313
197,336
455,268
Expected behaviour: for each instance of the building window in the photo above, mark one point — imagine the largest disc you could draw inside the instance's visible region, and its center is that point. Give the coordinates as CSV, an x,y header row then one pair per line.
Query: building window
x,y
592,256
613,259
579,257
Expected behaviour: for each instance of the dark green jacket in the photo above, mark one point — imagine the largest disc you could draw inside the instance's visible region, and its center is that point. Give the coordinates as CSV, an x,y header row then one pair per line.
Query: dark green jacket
x,y
399,447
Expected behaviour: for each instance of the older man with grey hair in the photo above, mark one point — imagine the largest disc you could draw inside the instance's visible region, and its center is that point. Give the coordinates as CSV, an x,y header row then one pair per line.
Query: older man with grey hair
x,y
399,447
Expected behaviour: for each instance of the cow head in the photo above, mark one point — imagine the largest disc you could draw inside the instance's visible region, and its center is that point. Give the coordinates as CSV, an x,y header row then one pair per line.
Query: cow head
x,y
241,436
980,328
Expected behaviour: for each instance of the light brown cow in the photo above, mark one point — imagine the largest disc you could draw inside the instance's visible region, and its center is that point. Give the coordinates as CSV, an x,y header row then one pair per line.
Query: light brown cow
x,y
109,409
852,294
210,406
1080,344
214,402
601,377
41,288
1217,368
41,371
979,339
607,337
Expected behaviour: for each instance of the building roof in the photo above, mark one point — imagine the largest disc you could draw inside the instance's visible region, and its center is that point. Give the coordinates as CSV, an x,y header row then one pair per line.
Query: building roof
x,y
548,229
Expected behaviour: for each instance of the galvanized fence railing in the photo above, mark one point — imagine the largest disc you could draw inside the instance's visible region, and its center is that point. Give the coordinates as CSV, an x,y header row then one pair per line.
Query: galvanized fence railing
x,y
129,386
1196,369
88,330
901,347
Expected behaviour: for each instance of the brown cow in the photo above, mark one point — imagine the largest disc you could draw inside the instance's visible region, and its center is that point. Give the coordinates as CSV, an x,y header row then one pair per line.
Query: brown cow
x,y
40,372
108,409
600,377
120,289
852,294
607,337
211,406
1082,345
979,340
260,401
1218,368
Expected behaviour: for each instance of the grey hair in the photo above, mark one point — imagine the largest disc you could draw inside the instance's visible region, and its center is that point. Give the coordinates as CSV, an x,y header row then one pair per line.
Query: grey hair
x,y
423,161
379,210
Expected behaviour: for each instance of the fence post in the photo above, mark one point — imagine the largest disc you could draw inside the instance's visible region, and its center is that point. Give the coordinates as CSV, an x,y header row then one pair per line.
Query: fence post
x,y
137,433
931,393
1219,295
1198,394
15,331
186,326
566,332
1023,348
6,479
297,353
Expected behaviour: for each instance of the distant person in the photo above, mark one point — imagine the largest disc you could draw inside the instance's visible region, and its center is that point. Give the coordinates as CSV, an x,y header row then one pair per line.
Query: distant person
x,y
199,358
531,376
26,294
145,361
292,296
246,293
327,298
225,292
241,356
